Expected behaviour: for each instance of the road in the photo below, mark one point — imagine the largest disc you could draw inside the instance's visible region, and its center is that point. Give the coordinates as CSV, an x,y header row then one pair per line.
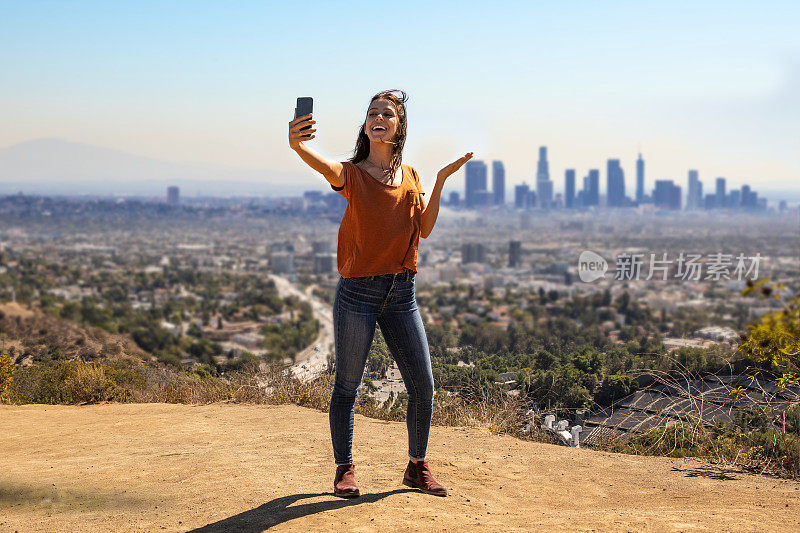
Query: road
x,y
313,360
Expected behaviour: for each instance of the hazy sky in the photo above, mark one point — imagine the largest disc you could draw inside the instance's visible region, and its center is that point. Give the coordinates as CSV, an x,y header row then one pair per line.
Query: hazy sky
x,y
707,85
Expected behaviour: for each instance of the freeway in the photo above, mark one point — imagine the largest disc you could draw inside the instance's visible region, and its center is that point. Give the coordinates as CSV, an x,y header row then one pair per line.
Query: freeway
x,y
313,359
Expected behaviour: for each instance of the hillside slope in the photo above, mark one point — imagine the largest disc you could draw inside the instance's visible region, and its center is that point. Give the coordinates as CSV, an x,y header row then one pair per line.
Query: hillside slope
x,y
32,332
224,467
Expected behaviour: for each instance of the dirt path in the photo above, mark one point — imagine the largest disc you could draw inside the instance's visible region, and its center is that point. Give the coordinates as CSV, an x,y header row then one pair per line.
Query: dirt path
x,y
224,467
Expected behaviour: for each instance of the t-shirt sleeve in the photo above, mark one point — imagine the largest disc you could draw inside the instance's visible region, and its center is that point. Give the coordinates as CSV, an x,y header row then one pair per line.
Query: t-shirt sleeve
x,y
344,190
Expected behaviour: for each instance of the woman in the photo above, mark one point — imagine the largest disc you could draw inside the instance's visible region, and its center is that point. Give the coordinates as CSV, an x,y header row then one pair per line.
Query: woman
x,y
377,262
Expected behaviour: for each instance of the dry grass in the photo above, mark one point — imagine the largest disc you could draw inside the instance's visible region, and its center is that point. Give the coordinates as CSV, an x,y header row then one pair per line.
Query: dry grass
x,y
81,382
763,448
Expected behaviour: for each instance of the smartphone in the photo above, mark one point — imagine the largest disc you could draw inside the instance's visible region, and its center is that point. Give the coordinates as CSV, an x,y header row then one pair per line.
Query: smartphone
x,y
305,105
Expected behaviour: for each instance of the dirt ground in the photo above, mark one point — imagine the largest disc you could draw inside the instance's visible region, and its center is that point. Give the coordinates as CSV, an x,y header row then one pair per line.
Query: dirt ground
x,y
225,467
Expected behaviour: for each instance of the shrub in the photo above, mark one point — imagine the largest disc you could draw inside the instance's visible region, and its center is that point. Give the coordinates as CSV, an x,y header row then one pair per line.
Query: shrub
x,y
169,358
6,376
63,382
758,451
87,382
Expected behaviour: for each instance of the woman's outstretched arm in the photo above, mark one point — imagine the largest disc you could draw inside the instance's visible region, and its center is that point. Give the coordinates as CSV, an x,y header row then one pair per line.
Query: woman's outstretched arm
x,y
332,170
431,211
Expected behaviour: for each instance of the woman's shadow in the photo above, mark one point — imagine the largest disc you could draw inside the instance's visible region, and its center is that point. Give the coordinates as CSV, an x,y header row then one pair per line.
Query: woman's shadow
x,y
278,511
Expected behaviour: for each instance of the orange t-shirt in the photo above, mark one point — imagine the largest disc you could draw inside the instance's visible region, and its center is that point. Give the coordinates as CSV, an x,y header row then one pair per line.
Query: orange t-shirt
x,y
379,233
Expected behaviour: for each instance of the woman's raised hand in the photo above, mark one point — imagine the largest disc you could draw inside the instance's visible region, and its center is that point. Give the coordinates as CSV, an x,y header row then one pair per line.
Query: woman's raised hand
x,y
296,137
453,167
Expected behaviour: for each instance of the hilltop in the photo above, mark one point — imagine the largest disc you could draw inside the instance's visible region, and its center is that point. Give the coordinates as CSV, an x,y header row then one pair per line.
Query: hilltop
x,y
28,329
233,467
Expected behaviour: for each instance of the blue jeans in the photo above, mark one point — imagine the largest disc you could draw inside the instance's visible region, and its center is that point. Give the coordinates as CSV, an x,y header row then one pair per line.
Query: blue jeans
x,y
390,301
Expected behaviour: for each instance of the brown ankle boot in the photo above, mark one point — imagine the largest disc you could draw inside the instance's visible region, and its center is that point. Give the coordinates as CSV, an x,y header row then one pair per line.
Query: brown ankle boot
x,y
344,484
418,476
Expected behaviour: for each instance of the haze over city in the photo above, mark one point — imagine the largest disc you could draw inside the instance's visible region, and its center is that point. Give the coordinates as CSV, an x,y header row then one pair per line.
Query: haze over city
x,y
709,87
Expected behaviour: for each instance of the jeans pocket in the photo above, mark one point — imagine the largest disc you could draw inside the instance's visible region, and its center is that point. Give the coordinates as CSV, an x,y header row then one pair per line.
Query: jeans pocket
x,y
357,284
406,284
362,289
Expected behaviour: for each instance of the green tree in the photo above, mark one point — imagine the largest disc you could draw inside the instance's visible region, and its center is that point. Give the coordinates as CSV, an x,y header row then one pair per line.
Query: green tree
x,y
775,338
613,388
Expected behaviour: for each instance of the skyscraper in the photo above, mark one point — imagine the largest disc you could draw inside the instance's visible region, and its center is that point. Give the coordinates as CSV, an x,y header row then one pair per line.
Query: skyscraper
x,y
734,199
667,195
475,181
749,198
542,167
514,253
172,195
719,195
640,179
675,198
699,193
569,188
661,193
544,187
544,190
521,196
615,184
695,188
499,182
530,199
591,187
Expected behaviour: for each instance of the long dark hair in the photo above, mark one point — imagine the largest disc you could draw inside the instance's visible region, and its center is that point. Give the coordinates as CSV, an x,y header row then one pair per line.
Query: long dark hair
x,y
361,151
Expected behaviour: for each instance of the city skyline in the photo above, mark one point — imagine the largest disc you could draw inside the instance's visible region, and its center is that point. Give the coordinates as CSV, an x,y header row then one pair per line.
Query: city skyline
x,y
216,85
123,166
666,193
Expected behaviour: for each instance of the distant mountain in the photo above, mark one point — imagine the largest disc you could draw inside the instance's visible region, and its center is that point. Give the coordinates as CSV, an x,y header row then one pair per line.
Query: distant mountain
x,y
56,166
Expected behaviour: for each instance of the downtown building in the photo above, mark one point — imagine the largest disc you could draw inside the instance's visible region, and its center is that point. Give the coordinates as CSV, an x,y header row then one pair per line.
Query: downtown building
x,y
640,179
694,197
589,196
615,184
569,188
475,191
173,195
667,195
498,183
544,186
524,197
